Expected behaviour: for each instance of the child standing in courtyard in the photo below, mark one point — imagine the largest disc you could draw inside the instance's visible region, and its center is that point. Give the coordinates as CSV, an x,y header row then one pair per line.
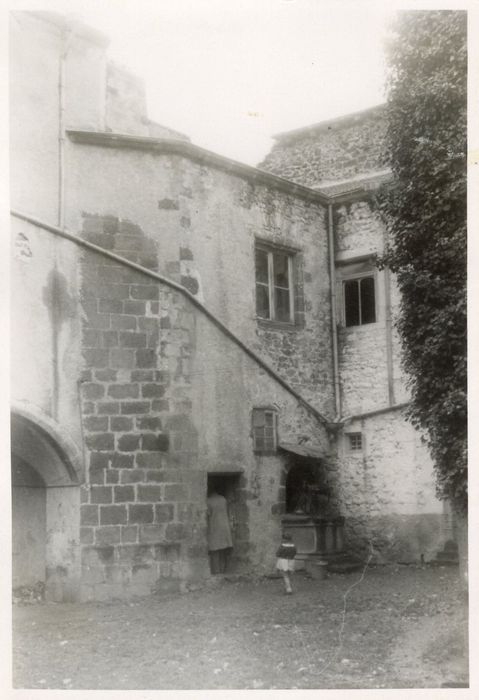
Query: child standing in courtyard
x,y
285,562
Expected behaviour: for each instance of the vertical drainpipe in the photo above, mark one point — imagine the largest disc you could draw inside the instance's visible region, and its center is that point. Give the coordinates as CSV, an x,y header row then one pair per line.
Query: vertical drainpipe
x,y
334,329
389,336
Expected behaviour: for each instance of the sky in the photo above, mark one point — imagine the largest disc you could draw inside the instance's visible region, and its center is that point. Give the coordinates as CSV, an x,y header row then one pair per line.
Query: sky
x,y
232,74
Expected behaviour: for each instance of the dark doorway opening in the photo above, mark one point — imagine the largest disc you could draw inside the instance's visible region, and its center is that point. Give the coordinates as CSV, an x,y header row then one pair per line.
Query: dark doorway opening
x,y
301,477
227,484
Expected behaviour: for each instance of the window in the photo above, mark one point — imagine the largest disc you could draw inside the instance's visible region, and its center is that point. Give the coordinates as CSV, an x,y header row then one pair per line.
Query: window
x,y
264,430
274,285
359,301
355,442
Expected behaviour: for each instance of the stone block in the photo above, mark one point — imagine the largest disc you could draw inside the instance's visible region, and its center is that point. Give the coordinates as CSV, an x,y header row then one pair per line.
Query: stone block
x,y
96,423
175,532
112,476
140,514
134,407
89,515
108,535
149,493
123,322
145,358
144,291
164,512
151,533
122,461
110,306
176,492
148,460
161,406
109,339
121,424
96,476
129,534
106,290
124,391
100,441
101,494
128,443
157,476
132,339
142,375
96,358
150,442
148,423
92,391
135,308
109,408
113,515
149,325
122,358
105,375
123,494
155,391
131,476
100,321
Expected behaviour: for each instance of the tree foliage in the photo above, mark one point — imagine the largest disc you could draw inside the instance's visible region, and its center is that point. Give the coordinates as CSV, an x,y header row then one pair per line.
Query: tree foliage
x,y
425,213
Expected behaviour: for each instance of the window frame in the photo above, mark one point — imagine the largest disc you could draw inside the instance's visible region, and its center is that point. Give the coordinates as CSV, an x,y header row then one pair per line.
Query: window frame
x,y
358,276
354,435
274,413
290,254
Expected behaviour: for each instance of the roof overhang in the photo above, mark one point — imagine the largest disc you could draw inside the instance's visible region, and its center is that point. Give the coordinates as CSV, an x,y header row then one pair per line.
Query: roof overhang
x,y
303,450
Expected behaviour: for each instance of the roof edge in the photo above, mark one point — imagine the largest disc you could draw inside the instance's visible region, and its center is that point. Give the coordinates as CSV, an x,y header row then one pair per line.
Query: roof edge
x,y
341,120
193,152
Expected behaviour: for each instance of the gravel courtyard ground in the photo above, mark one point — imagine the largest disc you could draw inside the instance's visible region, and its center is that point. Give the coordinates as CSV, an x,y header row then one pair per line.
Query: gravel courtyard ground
x,y
403,627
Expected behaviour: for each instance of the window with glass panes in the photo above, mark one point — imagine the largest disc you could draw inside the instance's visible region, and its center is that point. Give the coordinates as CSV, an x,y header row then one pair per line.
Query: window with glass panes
x,y
264,430
355,442
274,284
359,301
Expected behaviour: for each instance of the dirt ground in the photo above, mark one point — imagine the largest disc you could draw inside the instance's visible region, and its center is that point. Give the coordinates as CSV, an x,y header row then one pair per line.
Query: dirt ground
x,y
388,627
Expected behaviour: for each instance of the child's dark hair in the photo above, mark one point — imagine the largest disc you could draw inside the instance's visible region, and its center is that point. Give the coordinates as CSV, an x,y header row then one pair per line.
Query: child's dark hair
x,y
286,536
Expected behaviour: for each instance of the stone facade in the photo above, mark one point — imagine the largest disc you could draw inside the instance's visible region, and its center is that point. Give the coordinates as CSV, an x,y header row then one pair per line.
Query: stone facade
x,y
138,355
339,149
401,518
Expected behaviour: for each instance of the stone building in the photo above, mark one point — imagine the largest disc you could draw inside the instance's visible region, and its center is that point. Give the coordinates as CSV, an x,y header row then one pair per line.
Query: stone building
x,y
174,323
385,471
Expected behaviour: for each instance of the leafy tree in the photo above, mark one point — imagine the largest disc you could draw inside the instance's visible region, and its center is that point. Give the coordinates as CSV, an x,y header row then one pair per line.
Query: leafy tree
x,y
425,213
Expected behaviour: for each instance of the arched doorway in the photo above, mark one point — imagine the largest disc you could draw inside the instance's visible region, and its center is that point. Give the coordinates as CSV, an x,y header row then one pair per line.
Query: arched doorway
x,y
29,518
45,508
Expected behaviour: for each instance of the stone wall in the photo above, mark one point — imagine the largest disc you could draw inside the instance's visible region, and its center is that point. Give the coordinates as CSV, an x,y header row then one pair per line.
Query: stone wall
x,y
336,150
157,420
387,491
203,223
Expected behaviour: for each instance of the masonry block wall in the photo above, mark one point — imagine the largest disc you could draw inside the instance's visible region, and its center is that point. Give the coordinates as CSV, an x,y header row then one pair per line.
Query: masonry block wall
x,y
139,503
157,420
336,150
204,222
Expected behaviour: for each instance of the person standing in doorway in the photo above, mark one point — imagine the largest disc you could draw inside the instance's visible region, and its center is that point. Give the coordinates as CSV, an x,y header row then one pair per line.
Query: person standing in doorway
x,y
220,541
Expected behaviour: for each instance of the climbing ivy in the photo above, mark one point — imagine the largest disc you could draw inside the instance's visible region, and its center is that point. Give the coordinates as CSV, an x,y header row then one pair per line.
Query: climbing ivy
x,y
425,213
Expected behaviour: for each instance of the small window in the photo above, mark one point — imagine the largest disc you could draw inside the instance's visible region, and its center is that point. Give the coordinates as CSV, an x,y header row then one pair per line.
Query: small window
x,y
359,301
264,430
274,285
355,442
